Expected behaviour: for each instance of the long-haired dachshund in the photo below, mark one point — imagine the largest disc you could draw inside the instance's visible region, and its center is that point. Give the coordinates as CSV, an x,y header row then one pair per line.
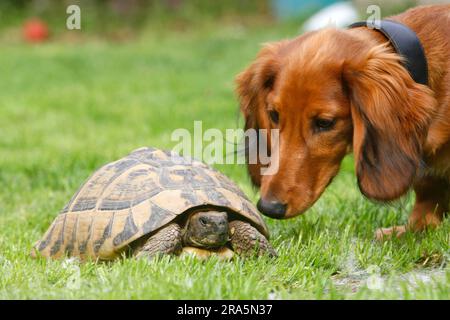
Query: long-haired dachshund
x,y
330,92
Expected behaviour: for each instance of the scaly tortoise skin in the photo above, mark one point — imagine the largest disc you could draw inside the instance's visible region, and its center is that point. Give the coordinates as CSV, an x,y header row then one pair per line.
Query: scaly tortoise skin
x,y
143,195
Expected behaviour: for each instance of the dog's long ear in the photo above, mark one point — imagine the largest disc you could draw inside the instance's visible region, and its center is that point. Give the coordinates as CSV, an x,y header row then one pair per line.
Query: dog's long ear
x,y
253,86
391,115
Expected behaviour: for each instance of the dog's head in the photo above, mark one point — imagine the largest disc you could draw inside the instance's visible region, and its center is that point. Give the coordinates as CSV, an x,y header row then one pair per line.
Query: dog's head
x,y
329,92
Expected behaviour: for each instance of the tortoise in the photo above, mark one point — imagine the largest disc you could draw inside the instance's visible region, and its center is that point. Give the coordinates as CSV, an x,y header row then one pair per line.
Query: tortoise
x,y
155,202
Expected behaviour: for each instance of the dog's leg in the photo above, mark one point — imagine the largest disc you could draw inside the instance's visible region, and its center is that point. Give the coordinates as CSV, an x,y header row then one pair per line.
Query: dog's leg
x,y
432,201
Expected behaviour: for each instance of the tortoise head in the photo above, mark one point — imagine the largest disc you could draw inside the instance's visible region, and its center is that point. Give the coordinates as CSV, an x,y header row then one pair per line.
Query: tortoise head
x,y
206,229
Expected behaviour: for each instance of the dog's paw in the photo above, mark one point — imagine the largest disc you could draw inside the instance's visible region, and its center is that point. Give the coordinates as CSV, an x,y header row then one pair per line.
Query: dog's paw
x,y
382,234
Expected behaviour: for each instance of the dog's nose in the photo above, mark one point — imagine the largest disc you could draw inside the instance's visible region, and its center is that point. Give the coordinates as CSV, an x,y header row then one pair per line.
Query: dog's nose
x,y
273,209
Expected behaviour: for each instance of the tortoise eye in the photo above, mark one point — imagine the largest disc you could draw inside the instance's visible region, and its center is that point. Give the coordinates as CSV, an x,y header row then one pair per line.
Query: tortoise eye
x,y
203,221
321,125
274,116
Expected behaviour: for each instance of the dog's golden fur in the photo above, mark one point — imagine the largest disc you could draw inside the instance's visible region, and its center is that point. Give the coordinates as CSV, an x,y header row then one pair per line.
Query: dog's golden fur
x,y
398,130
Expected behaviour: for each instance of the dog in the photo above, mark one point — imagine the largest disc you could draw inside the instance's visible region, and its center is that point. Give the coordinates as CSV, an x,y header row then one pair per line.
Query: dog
x,y
331,92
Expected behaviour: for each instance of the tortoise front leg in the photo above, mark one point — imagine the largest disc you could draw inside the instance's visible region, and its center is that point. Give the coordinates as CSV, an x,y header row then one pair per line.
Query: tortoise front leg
x,y
247,241
165,241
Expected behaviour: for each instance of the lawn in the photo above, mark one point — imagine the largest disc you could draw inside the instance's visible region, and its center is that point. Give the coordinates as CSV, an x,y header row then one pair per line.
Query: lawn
x,y
66,108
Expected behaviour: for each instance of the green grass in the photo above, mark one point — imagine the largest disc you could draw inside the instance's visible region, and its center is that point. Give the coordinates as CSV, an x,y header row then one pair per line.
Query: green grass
x,y
66,109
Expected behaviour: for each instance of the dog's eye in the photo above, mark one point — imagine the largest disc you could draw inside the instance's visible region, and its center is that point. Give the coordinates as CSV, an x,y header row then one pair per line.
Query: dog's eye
x,y
324,124
274,116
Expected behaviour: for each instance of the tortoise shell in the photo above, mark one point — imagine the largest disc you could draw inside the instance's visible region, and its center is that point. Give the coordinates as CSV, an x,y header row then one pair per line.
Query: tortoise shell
x,y
134,196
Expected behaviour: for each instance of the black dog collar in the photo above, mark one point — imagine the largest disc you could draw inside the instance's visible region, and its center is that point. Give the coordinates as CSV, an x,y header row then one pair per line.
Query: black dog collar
x,y
406,43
